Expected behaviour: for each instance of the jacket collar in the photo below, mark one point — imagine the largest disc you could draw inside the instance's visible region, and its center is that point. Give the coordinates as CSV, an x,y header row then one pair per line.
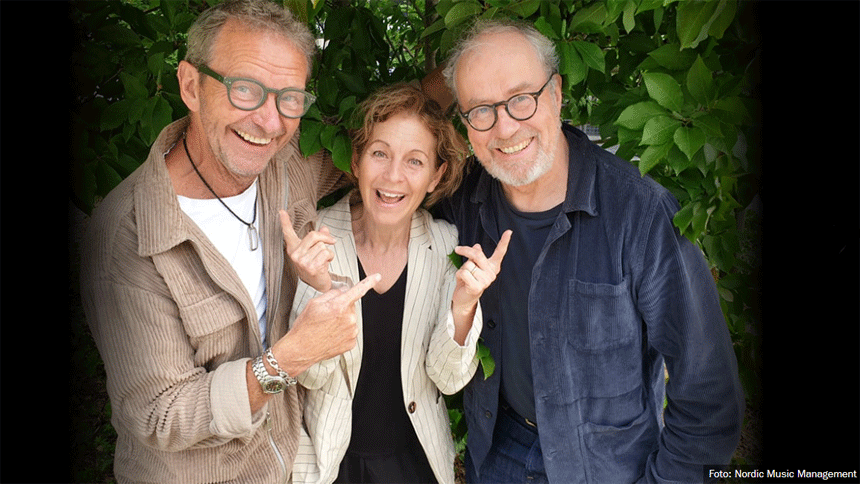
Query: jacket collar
x,y
158,214
340,223
581,176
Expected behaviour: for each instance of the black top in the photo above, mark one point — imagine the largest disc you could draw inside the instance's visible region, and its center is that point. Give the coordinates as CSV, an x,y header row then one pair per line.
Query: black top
x,y
514,283
380,425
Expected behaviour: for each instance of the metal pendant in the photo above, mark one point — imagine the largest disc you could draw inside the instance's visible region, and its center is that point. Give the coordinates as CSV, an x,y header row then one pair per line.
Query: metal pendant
x,y
253,238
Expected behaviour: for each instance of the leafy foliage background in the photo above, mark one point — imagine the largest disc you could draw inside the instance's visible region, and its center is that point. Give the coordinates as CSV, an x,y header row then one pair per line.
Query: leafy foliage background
x,y
671,85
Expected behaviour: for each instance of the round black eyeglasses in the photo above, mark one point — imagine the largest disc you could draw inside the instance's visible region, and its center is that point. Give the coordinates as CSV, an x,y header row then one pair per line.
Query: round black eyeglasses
x,y
519,106
249,94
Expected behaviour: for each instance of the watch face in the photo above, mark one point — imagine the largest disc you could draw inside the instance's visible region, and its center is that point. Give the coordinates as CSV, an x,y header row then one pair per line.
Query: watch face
x,y
274,384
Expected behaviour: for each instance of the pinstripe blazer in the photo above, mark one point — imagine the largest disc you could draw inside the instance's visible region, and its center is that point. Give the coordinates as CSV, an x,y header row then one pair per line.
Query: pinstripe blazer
x,y
431,361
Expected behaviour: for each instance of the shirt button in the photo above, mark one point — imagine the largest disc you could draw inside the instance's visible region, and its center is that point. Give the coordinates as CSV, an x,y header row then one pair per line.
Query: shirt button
x,y
411,407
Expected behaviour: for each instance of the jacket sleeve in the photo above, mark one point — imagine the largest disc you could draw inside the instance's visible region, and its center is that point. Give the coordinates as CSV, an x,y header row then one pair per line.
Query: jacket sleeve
x,y
448,364
158,392
680,306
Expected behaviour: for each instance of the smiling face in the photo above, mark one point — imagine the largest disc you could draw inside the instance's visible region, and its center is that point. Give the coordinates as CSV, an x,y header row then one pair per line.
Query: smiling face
x,y
397,170
502,65
243,142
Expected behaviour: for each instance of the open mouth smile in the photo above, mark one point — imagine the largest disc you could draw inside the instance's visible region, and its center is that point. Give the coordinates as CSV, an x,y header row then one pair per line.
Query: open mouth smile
x,y
509,150
389,198
253,139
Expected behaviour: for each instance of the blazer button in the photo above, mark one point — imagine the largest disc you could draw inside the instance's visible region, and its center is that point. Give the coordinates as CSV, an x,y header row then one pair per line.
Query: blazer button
x,y
491,324
488,414
411,407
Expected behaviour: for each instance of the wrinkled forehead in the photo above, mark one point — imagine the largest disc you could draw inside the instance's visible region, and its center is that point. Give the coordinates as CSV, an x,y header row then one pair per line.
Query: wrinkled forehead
x,y
496,67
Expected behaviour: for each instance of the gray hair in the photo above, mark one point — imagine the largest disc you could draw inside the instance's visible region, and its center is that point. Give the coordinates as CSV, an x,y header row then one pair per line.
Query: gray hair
x,y
544,47
262,15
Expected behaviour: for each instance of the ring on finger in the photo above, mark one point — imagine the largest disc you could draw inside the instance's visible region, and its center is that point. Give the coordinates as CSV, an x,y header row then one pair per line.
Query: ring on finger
x,y
473,269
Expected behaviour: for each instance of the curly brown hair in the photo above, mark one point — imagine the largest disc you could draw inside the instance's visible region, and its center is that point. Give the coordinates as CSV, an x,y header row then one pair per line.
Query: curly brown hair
x,y
403,98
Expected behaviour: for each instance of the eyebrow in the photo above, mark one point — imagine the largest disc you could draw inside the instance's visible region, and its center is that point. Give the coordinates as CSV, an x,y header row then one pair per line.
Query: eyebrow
x,y
378,140
518,89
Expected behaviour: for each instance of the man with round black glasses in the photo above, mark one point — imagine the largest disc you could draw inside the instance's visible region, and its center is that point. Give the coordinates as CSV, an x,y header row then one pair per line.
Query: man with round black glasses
x,y
597,295
185,282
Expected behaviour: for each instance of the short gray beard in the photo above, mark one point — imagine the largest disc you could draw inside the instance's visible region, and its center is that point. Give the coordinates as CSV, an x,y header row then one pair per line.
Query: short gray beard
x,y
539,168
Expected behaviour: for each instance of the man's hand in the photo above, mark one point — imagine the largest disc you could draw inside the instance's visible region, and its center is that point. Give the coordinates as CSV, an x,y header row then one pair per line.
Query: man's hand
x,y
310,255
327,327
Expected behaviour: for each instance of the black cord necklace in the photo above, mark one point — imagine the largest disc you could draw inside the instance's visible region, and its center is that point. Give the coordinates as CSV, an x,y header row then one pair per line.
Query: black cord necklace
x,y
252,231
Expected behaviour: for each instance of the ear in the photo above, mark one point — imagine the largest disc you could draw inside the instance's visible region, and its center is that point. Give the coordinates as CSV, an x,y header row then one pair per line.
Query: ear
x,y
556,91
353,164
189,85
437,177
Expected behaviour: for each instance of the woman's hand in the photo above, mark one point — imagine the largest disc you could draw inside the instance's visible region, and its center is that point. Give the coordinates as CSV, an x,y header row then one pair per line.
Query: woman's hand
x,y
473,277
310,255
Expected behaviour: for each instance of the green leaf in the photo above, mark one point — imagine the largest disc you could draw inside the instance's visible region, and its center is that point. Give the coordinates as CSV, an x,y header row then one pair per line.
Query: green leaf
x,y
689,140
460,12
659,130
436,27
684,217
671,57
155,62
341,152
134,87
652,156
694,19
635,116
106,178
732,110
309,141
570,64
592,54
709,124
162,115
723,20
524,8
664,89
488,364
700,82
115,114
628,18
544,27
455,259
589,20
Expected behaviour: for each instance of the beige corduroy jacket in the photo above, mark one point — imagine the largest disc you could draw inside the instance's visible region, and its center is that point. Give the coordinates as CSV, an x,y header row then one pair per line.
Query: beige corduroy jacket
x,y
176,327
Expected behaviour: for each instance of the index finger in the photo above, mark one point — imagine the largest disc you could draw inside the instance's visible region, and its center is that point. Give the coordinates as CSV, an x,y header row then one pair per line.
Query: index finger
x,y
502,248
290,237
358,291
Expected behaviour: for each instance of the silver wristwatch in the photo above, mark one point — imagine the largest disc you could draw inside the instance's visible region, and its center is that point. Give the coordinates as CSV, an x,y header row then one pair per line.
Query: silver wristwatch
x,y
272,384
270,357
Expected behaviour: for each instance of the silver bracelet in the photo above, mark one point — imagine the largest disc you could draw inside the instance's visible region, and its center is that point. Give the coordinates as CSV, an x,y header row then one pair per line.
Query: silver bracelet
x,y
270,357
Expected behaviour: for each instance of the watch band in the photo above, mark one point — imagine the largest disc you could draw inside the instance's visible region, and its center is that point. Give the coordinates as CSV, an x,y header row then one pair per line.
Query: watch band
x,y
270,357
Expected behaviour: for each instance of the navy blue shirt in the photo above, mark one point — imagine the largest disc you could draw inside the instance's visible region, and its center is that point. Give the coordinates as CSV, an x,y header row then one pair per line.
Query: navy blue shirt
x,y
616,293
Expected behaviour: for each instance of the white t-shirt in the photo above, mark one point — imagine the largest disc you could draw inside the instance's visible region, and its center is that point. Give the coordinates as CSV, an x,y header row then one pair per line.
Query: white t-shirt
x,y
230,237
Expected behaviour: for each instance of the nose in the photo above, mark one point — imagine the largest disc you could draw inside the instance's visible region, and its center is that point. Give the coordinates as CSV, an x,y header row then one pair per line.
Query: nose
x,y
268,117
505,124
394,171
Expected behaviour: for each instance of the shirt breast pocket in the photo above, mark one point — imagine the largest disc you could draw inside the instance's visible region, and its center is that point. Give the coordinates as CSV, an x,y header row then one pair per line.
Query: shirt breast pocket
x,y
603,315
211,322
603,340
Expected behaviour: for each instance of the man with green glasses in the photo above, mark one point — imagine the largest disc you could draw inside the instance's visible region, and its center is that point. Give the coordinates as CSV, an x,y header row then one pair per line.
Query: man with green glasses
x,y
185,284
